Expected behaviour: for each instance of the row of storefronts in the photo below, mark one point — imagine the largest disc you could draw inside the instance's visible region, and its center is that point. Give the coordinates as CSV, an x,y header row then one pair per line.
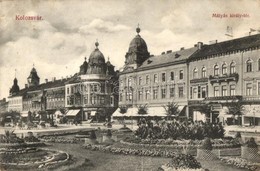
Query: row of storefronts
x,y
211,82
215,82
88,95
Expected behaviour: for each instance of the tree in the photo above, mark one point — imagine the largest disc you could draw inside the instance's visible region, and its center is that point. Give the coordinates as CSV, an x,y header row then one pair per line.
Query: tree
x,y
172,109
236,108
142,109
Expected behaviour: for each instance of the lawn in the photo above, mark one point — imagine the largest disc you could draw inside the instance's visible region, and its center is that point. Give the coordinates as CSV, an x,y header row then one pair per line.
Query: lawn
x,y
101,161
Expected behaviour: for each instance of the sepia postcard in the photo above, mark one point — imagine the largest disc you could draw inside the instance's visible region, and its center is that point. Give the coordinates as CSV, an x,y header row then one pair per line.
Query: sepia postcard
x,y
130,85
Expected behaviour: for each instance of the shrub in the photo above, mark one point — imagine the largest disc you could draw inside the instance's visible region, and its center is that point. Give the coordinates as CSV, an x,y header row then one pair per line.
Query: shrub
x,y
93,134
184,161
206,144
123,109
109,133
238,135
251,143
142,109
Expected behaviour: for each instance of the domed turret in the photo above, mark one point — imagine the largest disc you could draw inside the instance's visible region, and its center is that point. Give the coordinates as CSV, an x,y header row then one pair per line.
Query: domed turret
x,y
15,88
137,52
33,79
84,67
96,64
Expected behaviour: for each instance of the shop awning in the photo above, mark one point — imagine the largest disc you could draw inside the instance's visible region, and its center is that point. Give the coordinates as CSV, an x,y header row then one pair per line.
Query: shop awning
x,y
156,111
58,113
93,113
133,111
117,113
72,112
24,113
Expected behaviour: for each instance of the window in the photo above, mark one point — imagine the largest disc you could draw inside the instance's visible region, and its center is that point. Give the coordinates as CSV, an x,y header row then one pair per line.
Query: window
x,y
155,78
216,91
130,96
140,94
181,75
232,90
121,97
258,64
224,90
249,89
216,70
249,66
140,81
68,90
203,92
195,73
224,69
172,76
155,93
163,77
172,92
86,99
198,91
129,82
111,101
195,93
126,96
232,68
121,83
181,93
258,88
203,72
147,79
147,94
163,91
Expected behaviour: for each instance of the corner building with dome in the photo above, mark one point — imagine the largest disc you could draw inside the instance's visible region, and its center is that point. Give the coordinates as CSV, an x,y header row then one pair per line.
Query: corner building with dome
x,y
92,93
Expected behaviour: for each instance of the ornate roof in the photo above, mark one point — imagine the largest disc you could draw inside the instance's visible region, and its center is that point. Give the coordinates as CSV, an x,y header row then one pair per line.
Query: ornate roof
x,y
15,88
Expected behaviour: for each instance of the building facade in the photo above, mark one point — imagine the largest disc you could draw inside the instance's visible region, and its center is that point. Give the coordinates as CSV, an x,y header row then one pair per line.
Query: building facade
x,y
153,80
92,92
225,73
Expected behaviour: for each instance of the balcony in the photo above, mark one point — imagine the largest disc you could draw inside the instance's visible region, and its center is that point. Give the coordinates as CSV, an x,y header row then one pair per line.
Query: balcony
x,y
199,80
223,78
224,98
251,99
196,102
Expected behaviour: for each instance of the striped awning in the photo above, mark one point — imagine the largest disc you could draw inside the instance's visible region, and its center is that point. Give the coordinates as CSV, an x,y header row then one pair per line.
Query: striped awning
x,y
72,112
24,113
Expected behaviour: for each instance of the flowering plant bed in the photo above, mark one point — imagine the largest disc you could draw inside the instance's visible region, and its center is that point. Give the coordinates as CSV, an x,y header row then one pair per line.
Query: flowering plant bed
x,y
52,139
239,163
129,151
182,162
216,143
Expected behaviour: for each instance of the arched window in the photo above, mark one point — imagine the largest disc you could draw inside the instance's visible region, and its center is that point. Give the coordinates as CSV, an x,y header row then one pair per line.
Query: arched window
x,y
195,73
224,69
232,68
259,64
249,66
203,72
216,70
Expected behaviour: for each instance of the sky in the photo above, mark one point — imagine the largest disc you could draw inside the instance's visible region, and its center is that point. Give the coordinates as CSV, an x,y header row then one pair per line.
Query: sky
x,y
57,45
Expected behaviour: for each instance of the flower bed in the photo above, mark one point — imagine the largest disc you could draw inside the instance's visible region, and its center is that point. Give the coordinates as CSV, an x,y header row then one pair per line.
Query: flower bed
x,y
179,144
129,151
239,163
181,162
52,139
33,158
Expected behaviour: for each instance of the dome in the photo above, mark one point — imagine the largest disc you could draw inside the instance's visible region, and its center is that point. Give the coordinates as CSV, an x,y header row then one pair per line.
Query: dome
x,y
137,44
96,56
137,52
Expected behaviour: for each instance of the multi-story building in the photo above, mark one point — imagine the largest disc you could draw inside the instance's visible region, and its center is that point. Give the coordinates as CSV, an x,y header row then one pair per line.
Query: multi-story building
x,y
153,80
92,93
3,105
224,73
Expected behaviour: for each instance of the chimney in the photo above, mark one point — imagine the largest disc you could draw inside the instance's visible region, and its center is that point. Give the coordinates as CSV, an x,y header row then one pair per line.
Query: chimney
x,y
182,48
200,44
163,53
54,79
169,51
46,80
26,85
